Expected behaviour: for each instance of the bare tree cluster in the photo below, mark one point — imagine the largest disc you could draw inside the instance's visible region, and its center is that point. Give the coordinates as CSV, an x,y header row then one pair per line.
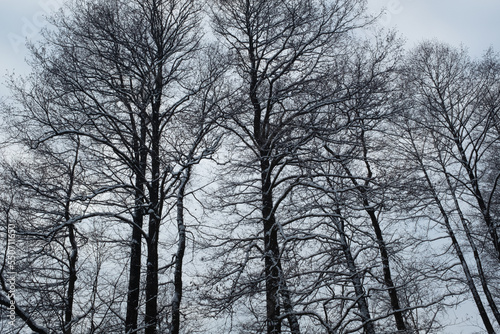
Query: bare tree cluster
x,y
247,166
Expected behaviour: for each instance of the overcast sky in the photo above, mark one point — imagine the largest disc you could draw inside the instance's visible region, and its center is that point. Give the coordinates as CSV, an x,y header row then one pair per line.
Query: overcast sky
x,y
474,23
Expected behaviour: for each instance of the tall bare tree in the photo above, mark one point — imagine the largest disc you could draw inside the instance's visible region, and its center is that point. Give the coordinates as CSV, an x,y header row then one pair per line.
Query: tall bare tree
x,y
280,55
452,136
125,77
450,89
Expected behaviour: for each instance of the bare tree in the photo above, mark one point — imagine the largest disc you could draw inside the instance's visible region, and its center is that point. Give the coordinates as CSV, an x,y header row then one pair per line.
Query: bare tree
x,y
279,53
124,76
418,149
451,136
450,89
372,73
47,206
326,148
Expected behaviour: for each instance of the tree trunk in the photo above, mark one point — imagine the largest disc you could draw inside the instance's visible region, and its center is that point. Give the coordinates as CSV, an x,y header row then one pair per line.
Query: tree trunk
x,y
491,302
140,152
181,246
271,252
73,256
287,305
68,316
384,255
155,208
361,299
151,317
135,270
470,282
483,208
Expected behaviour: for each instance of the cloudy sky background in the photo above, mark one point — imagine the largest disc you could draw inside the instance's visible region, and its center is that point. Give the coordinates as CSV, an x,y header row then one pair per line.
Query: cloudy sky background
x,y
475,23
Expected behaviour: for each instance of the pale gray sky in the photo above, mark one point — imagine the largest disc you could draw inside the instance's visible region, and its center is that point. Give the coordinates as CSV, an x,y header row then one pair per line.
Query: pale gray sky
x,y
475,23
20,20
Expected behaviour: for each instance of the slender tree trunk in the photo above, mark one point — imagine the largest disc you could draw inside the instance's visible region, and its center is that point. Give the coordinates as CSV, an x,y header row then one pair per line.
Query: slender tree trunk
x,y
275,280
134,272
489,297
384,255
151,317
68,317
135,269
140,152
73,256
287,304
359,290
155,187
483,208
154,227
468,276
456,246
181,246
271,252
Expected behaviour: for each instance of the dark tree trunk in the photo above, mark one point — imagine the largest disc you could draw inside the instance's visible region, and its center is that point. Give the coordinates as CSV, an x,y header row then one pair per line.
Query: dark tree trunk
x,y
154,226
288,306
73,255
151,317
138,221
135,273
384,255
364,310
68,316
181,247
483,208
489,297
155,187
456,246
271,252
275,280
470,281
